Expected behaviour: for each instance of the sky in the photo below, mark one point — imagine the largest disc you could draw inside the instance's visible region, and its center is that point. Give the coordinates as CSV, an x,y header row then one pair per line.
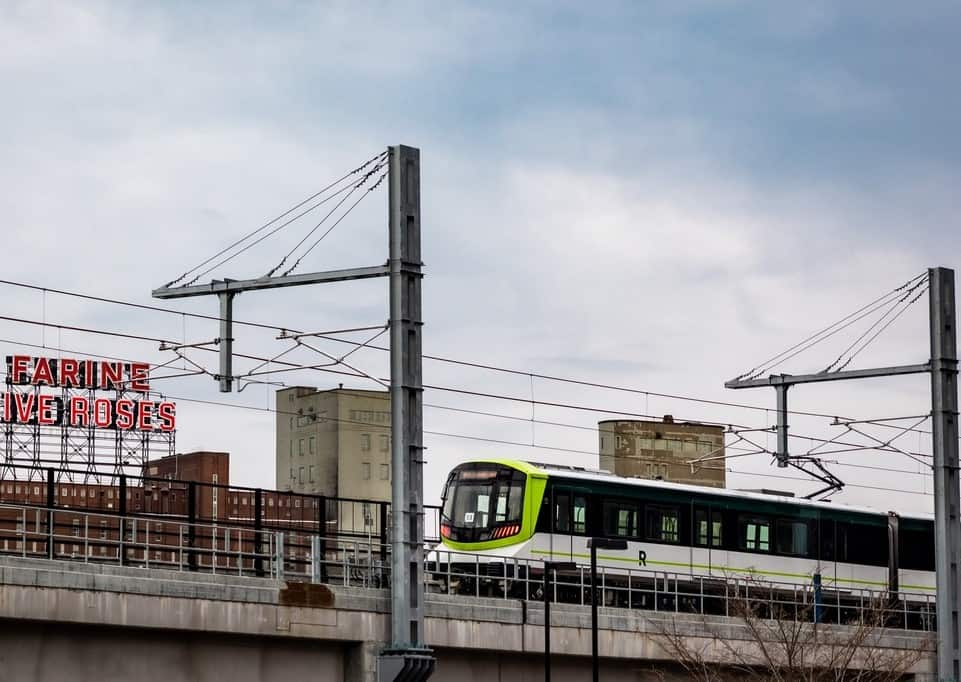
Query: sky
x,y
654,195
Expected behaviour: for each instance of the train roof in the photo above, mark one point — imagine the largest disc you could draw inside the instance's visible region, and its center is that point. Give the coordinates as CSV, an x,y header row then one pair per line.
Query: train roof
x,y
598,476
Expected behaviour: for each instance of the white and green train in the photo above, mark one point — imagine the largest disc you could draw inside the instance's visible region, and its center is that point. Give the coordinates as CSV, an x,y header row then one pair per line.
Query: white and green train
x,y
496,511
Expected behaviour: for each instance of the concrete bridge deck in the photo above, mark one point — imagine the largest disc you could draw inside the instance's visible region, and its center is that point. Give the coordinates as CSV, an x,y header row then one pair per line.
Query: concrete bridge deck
x,y
77,621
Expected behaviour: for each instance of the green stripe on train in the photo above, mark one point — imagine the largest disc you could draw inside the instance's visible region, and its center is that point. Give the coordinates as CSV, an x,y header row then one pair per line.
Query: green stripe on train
x,y
752,571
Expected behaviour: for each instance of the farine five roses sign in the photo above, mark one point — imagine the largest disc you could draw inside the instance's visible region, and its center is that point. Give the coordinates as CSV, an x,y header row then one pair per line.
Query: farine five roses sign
x,y
70,409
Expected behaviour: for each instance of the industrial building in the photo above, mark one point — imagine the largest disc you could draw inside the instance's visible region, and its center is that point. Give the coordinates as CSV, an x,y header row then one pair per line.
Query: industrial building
x,y
663,450
334,443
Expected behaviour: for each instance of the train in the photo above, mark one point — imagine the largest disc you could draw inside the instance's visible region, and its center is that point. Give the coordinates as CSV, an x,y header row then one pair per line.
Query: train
x,y
508,517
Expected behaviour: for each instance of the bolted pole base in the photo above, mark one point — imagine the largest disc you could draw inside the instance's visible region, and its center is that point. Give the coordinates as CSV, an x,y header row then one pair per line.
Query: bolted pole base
x,y
407,665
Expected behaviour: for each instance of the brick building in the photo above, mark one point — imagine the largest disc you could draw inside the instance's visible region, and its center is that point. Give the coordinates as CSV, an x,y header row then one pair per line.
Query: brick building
x,y
151,519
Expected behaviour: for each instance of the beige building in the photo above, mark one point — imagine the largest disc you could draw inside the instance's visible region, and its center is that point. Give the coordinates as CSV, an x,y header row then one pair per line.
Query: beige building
x,y
334,442
663,450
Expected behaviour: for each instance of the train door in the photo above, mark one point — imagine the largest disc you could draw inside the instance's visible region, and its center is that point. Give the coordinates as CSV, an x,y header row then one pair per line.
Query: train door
x,y
569,520
561,548
707,542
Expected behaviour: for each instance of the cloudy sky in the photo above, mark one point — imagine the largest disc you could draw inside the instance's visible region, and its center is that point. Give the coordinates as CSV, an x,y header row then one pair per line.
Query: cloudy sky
x,y
652,195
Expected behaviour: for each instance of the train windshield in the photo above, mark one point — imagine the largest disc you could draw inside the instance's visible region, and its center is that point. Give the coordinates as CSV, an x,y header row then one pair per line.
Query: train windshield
x,y
483,502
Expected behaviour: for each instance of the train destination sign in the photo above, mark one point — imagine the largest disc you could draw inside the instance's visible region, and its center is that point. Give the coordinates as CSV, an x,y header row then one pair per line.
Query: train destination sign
x,y
72,409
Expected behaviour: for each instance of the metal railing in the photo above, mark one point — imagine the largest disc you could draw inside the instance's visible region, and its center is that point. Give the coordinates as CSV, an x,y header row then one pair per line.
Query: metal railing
x,y
177,544
200,502
665,591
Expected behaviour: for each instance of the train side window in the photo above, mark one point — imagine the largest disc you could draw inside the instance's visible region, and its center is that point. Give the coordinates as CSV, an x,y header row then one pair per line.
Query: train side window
x,y
916,551
755,534
562,513
707,528
580,515
791,537
863,543
621,519
663,524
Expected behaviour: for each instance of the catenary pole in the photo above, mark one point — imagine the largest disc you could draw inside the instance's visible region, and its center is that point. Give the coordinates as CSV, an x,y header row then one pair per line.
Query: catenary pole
x,y
943,369
406,658
947,493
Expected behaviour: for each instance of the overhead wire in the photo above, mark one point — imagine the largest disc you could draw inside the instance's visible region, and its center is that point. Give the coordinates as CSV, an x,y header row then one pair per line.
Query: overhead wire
x,y
271,222
827,332
436,358
296,366
337,222
855,353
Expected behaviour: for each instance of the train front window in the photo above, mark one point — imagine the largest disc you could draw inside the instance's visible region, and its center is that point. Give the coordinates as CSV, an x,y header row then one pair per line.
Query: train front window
x,y
483,502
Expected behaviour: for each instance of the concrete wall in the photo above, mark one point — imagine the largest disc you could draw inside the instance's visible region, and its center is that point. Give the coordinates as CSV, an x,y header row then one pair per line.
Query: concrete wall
x,y
63,652
115,623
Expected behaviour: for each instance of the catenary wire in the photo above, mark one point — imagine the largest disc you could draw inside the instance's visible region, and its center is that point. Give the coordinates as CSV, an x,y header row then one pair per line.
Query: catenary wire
x,y
447,360
778,359
271,222
316,227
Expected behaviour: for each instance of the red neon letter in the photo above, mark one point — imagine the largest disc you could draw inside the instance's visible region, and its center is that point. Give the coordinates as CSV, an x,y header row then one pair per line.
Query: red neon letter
x,y
69,370
24,407
79,411
102,413
42,376
125,414
168,416
111,375
140,377
89,375
18,369
144,409
45,415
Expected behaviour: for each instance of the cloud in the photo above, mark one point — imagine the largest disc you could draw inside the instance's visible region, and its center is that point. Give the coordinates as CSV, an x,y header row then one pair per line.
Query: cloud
x,y
655,198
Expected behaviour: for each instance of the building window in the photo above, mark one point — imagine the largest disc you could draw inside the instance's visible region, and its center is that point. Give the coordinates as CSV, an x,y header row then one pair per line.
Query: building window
x,y
270,502
385,443
103,530
365,442
297,503
76,528
300,477
300,447
311,471
243,501
385,472
310,445
366,469
83,492
36,490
